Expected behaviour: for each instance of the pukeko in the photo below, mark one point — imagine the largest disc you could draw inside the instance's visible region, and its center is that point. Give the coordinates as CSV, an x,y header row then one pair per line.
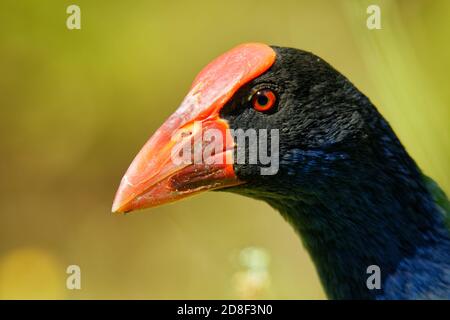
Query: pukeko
x,y
344,182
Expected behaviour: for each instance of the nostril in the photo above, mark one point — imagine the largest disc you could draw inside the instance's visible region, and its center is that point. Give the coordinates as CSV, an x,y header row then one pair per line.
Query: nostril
x,y
186,134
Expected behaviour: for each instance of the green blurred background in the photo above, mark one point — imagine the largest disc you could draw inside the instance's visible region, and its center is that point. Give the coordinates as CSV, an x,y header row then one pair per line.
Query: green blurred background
x,y
76,106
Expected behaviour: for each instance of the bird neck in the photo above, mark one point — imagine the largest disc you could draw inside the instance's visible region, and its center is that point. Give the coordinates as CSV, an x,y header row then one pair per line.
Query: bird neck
x,y
344,252
350,229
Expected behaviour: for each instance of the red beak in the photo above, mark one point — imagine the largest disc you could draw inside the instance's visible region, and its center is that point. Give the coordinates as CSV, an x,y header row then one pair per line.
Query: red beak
x,y
156,176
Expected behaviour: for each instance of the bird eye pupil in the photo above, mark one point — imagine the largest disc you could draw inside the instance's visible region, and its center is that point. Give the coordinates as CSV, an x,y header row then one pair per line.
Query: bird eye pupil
x,y
263,99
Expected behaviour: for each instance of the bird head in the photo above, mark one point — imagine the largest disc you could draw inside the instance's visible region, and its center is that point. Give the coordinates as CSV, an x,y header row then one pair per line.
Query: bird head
x,y
282,125
298,108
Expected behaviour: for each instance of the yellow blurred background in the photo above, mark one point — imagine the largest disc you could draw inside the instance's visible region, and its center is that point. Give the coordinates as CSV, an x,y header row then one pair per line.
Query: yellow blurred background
x,y
76,105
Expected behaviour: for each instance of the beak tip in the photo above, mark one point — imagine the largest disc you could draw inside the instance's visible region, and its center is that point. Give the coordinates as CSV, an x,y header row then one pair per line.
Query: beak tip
x,y
115,209
122,200
118,206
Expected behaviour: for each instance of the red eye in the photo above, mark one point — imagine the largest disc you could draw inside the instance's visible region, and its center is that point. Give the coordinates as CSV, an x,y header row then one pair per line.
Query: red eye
x,y
264,100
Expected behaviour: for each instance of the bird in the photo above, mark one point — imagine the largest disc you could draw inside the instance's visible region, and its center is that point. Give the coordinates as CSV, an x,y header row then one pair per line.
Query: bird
x,y
344,181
